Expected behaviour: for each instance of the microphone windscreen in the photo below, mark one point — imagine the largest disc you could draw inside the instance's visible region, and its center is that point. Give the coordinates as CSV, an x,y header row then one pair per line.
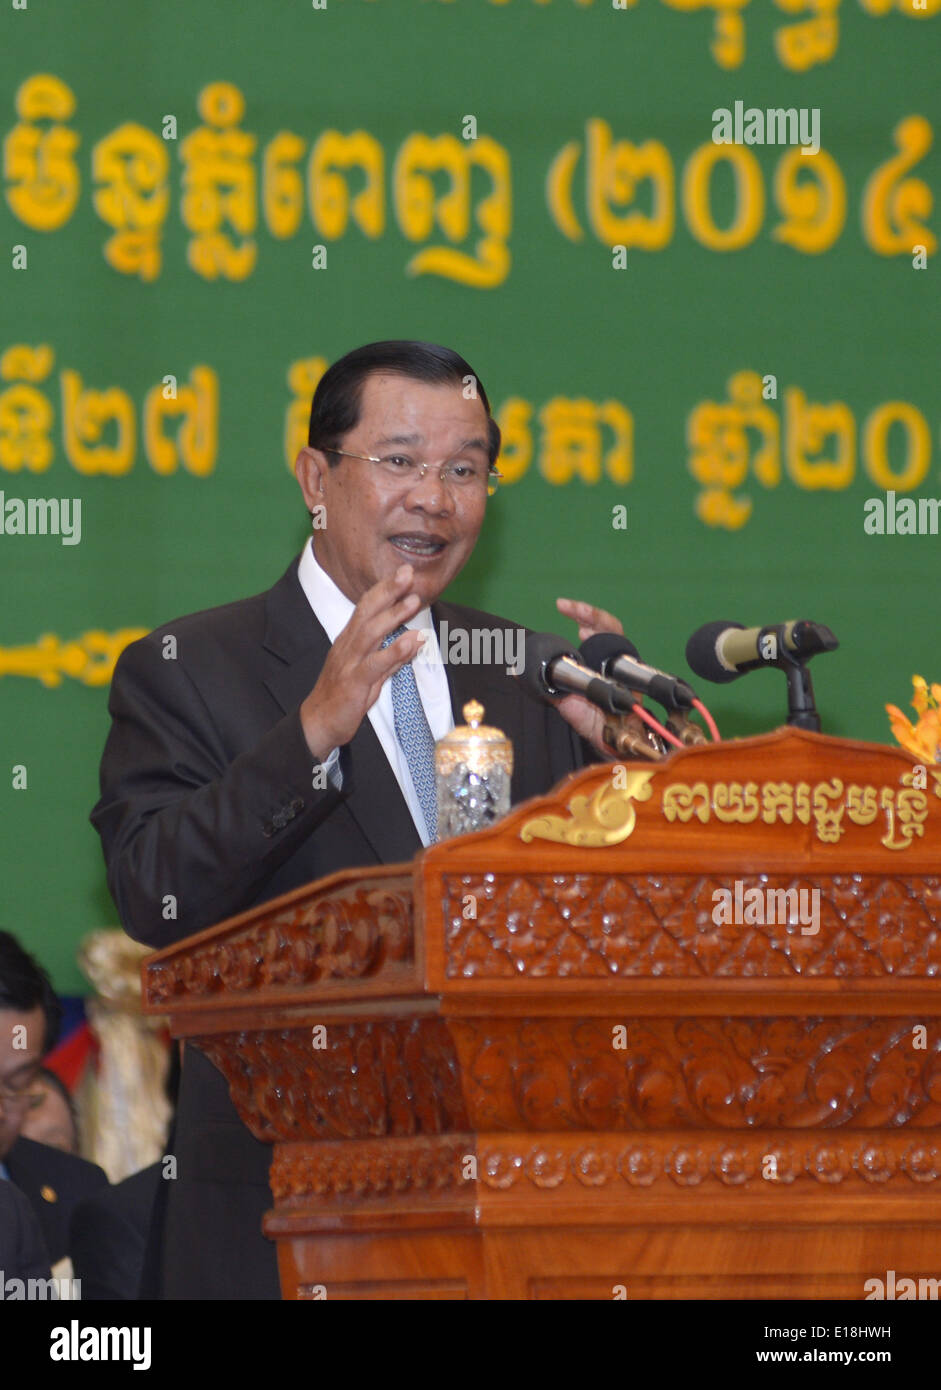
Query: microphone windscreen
x,y
603,646
539,650
702,656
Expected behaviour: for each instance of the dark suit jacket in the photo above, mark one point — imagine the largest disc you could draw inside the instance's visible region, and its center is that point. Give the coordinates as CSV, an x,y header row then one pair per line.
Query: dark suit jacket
x,y
22,1252
207,795
54,1182
108,1236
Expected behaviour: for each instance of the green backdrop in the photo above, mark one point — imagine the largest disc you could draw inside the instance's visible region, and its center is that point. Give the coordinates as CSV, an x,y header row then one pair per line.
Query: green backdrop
x,y
136,256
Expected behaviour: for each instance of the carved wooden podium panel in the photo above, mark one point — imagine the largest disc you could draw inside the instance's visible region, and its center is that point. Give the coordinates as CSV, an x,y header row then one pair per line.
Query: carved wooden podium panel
x,y
573,1056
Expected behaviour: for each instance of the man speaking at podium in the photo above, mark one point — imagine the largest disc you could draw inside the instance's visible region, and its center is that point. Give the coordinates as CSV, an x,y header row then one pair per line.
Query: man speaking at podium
x,y
260,745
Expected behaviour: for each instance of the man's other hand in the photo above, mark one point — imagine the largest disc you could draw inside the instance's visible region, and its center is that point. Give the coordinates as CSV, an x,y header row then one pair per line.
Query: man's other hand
x,y
585,718
589,618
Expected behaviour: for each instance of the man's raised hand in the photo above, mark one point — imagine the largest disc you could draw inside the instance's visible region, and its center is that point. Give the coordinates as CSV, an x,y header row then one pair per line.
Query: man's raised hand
x,y
357,666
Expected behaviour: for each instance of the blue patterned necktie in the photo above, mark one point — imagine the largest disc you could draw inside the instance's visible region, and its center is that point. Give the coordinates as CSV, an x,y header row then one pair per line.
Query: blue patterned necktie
x,y
415,736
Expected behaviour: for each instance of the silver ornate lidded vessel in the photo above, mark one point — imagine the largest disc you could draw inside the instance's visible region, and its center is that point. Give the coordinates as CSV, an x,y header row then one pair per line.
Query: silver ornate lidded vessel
x,y
473,765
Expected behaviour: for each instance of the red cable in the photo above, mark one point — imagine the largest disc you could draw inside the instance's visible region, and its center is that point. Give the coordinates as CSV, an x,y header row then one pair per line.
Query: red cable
x,y
655,724
710,722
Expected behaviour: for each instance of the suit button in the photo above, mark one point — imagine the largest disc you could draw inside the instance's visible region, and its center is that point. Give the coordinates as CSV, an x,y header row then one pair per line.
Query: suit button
x,y
267,830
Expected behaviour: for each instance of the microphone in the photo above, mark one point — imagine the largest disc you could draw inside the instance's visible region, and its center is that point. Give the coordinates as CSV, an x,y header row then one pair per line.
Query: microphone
x,y
552,669
618,659
723,651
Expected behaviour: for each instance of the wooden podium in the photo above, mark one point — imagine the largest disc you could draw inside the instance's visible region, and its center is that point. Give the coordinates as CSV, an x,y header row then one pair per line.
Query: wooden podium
x,y
563,1058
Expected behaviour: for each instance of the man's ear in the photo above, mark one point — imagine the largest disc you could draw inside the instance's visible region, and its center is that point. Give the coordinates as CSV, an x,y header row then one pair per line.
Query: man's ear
x,y
310,468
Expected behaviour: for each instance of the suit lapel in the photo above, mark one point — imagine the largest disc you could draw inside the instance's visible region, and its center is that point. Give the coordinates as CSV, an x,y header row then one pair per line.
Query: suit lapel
x,y
300,645
487,683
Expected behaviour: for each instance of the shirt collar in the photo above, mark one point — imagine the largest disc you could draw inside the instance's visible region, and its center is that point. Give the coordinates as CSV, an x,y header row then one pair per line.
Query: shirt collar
x,y
329,603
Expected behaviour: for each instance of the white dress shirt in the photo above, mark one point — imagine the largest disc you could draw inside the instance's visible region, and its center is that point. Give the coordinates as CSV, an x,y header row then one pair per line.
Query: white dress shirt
x,y
333,610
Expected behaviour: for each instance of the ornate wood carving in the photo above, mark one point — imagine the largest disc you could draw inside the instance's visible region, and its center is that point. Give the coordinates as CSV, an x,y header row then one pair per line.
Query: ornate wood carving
x,y
744,1163
379,1077
434,1076
710,1073
368,1169
580,1166
349,935
651,926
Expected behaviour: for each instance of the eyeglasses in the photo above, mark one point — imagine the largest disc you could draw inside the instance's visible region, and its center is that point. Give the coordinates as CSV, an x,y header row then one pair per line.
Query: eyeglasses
x,y
21,1100
461,473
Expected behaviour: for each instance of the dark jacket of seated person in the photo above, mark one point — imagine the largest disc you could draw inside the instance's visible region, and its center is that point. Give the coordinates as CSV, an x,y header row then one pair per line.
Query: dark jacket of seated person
x,y
54,1183
22,1252
108,1236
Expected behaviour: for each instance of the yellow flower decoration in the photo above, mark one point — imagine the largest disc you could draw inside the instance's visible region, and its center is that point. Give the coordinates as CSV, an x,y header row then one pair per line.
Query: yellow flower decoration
x,y
923,739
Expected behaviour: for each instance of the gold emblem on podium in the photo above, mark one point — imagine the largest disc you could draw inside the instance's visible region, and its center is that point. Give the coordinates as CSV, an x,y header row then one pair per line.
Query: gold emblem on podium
x,y
606,817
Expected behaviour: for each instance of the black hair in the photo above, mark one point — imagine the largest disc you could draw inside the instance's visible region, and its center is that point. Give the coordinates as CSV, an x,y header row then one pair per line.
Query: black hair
x,y
24,984
335,408
58,1085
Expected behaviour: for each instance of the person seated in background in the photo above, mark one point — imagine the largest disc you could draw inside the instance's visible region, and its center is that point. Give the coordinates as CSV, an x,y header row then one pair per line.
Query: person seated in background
x,y
22,1252
53,1181
53,1119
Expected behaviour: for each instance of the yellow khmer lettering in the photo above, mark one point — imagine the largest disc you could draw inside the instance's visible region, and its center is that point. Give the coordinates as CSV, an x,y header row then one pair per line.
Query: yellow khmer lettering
x,y
42,177
559,191
749,196
682,802
734,803
876,446
86,415
802,46
807,428
862,804
219,187
572,442
197,403
130,167
906,811
824,804
419,210
828,817
25,413
892,204
303,378
282,184
721,449
330,202
811,193
615,168
516,450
